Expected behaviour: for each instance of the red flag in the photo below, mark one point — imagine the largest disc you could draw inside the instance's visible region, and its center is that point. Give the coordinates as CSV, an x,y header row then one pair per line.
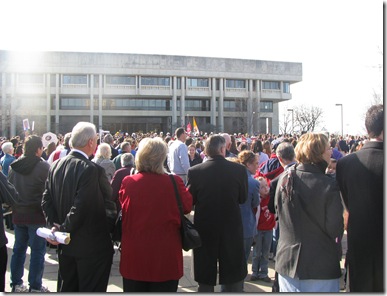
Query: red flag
x,y
189,127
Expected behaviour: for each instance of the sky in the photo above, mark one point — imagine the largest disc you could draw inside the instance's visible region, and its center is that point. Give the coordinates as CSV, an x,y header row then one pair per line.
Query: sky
x,y
338,42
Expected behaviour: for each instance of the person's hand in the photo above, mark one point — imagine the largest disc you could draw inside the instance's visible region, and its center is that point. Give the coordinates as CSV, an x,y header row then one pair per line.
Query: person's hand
x,y
53,229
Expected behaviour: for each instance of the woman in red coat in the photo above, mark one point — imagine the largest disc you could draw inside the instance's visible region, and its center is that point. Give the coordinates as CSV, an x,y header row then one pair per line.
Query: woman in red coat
x,y
151,256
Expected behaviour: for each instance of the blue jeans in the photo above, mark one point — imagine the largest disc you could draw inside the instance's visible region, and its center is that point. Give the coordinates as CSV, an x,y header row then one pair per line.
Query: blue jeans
x,y
25,235
261,251
288,284
247,245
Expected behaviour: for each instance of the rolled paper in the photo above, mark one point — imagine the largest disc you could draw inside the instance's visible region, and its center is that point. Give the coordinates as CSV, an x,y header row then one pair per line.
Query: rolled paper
x,y
60,237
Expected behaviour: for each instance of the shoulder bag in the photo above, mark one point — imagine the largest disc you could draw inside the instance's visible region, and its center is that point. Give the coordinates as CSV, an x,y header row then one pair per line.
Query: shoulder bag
x,y
189,235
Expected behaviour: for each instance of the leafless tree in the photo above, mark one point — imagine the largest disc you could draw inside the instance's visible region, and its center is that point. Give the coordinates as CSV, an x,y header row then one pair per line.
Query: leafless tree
x,y
286,124
307,119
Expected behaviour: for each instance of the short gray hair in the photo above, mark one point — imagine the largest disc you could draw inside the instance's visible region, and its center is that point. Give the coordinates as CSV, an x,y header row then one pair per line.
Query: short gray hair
x,y
214,144
7,147
285,150
82,132
127,159
103,151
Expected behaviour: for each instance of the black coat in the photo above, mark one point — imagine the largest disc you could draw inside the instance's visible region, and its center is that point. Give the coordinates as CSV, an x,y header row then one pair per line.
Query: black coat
x,y
360,177
9,196
218,186
310,223
78,197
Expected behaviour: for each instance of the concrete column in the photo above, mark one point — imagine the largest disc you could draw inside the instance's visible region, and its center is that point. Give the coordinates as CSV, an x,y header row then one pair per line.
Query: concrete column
x,y
4,110
48,101
220,106
182,102
12,109
91,77
250,115
258,107
57,102
213,103
100,85
174,105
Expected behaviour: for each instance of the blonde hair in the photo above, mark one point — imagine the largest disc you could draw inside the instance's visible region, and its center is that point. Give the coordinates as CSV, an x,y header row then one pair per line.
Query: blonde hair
x,y
246,156
310,148
103,151
151,155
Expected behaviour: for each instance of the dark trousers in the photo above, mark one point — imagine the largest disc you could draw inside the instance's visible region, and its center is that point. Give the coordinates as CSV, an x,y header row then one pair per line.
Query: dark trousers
x,y
234,287
3,266
140,286
89,274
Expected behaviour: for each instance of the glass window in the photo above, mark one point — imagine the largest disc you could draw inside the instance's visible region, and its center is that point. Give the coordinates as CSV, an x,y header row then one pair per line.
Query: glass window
x,y
121,80
195,105
159,81
286,87
74,104
75,79
266,106
178,82
235,83
198,82
270,85
235,105
31,78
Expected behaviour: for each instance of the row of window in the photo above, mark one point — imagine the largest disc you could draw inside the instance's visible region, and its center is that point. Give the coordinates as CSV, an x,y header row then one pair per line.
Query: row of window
x,y
145,80
156,104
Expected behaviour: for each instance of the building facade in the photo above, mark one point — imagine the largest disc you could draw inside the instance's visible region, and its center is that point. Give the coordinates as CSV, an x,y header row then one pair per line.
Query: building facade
x,y
136,92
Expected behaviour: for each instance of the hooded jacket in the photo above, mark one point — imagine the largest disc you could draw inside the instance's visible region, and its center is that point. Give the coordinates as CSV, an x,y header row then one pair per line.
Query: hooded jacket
x,y
28,174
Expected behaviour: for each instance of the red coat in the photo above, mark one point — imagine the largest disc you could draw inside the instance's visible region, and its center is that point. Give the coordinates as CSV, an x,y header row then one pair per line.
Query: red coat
x,y
151,239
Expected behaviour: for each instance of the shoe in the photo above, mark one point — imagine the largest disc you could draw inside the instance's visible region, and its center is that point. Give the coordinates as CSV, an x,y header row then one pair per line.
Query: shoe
x,y
20,289
253,278
265,279
42,290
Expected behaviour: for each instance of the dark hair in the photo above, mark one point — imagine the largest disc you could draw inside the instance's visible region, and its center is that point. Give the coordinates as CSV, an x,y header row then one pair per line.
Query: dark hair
x,y
374,120
179,131
32,144
257,147
188,141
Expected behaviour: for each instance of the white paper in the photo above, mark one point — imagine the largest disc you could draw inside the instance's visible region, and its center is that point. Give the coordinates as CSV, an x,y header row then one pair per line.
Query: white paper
x,y
60,237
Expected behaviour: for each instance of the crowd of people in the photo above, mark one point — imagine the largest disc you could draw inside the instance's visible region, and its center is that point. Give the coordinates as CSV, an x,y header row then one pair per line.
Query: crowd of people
x,y
286,198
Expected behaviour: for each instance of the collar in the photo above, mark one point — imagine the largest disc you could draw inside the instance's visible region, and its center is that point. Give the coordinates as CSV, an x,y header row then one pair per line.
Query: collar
x,y
80,152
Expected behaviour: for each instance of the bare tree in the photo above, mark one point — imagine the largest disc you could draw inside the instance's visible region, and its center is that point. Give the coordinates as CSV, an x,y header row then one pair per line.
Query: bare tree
x,y
307,119
286,124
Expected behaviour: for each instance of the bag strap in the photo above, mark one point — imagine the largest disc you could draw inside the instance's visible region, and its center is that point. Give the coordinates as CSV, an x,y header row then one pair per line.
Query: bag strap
x,y
180,206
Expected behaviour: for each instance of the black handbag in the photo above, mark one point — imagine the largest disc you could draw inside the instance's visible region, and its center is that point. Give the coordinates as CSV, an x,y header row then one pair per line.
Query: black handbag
x,y
117,232
189,235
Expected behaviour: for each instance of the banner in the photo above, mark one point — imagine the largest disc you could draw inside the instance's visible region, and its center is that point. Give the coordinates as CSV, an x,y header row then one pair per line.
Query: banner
x,y
195,126
26,124
188,128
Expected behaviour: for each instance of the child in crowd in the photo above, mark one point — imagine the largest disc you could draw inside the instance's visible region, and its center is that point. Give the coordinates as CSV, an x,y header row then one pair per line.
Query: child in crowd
x,y
264,236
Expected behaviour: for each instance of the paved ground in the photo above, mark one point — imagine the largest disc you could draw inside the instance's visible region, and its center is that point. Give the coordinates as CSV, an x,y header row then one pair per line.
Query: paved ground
x,y
186,283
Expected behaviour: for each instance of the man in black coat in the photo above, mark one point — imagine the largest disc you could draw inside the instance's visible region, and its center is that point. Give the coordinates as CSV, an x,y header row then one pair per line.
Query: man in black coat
x,y
9,196
360,177
77,200
218,186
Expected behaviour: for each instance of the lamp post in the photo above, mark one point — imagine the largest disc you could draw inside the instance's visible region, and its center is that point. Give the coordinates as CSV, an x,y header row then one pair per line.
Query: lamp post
x,y
292,120
342,130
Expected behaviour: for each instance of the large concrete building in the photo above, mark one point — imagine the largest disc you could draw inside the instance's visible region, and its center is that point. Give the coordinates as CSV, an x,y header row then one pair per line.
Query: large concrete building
x,y
137,92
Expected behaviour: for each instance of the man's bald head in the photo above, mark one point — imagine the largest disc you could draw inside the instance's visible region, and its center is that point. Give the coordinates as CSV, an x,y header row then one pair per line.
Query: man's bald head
x,y
227,137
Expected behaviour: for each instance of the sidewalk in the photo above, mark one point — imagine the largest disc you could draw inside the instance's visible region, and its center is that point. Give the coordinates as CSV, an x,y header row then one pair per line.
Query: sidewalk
x,y
186,283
